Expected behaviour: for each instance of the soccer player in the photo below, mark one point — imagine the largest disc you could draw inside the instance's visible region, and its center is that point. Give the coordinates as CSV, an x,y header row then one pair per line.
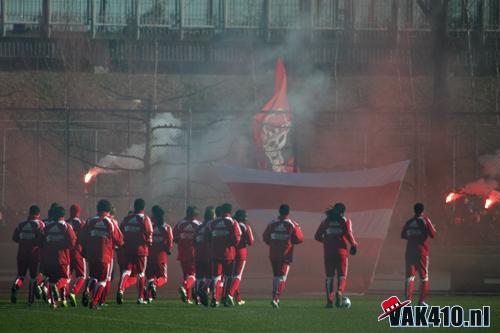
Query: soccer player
x,y
241,256
78,264
417,231
282,234
224,234
137,234
98,238
335,232
156,270
203,258
29,236
58,241
184,234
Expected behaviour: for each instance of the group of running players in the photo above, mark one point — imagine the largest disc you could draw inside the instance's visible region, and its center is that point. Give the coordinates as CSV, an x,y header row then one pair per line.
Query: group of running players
x,y
212,253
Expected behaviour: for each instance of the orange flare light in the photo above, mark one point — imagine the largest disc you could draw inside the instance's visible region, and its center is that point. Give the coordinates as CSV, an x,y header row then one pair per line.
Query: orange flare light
x,y
89,175
488,203
452,197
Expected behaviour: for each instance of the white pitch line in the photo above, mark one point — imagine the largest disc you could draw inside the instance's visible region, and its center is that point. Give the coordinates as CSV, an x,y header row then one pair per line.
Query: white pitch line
x,y
139,322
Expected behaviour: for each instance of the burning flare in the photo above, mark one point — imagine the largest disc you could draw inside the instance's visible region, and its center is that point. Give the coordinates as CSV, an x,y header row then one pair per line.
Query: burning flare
x,y
488,203
452,196
90,174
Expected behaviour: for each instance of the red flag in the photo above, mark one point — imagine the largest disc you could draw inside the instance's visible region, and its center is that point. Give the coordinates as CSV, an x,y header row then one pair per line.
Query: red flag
x,y
272,126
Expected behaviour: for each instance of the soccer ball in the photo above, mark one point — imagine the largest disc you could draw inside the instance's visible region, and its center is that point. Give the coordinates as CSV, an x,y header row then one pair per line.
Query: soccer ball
x,y
346,303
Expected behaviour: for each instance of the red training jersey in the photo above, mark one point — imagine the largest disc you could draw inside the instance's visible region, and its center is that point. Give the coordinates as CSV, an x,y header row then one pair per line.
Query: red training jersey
x,y
245,241
137,234
77,224
58,241
162,243
335,234
281,235
29,235
201,244
184,236
223,234
417,231
99,237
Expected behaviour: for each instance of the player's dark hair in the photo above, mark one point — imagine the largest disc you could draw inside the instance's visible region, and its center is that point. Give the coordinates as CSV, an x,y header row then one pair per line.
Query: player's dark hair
x,y
139,204
104,206
209,213
284,210
53,206
240,215
338,210
158,214
418,208
34,210
191,212
218,211
58,212
227,208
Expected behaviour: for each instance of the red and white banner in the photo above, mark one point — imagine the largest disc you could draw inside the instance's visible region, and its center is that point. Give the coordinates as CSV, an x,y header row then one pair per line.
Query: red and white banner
x,y
369,195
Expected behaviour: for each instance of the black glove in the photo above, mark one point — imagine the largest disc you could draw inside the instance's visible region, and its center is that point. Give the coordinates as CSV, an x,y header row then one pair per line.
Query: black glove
x,y
353,250
168,252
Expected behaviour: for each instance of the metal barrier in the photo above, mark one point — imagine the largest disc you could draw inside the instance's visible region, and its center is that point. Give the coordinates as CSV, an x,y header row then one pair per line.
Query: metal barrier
x,y
125,16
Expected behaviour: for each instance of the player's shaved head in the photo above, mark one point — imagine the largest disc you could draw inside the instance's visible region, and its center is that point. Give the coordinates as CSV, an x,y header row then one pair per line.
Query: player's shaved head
x,y
104,206
74,210
139,204
191,212
209,213
284,210
34,210
218,211
418,208
59,212
227,208
240,215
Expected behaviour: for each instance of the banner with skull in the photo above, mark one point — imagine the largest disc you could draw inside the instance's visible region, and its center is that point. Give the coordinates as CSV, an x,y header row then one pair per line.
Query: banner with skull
x,y
272,126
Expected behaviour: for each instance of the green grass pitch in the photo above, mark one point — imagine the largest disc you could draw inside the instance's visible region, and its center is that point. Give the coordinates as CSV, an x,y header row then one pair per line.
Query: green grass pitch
x,y
295,315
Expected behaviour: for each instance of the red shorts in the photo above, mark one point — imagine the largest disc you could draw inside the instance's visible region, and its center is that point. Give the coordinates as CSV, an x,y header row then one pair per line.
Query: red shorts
x,y
100,271
337,264
418,263
222,267
56,272
78,265
25,263
156,270
203,270
135,264
188,268
280,268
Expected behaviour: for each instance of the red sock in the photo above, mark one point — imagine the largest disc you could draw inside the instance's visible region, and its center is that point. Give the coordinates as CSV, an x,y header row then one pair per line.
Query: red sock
x,y
188,285
342,283
235,286
97,294
141,282
424,289
78,285
218,289
61,283
129,281
105,292
161,281
281,287
329,289
18,283
410,282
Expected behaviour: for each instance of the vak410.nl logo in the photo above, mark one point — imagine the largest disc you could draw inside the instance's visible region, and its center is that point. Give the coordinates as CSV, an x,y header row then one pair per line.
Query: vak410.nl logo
x,y
402,314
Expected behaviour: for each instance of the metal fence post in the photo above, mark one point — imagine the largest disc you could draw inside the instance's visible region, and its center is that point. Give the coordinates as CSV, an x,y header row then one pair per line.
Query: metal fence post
x,y
180,19
3,16
137,19
4,165
188,158
93,17
46,10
